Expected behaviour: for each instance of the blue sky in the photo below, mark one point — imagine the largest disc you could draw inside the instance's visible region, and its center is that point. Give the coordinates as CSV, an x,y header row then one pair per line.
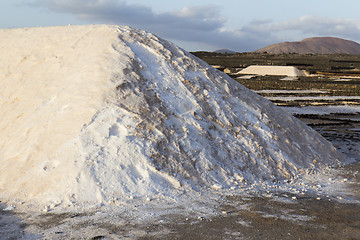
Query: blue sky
x,y
198,25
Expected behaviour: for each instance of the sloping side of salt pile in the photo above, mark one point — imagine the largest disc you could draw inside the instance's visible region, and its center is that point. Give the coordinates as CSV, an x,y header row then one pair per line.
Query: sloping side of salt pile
x,y
273,70
95,114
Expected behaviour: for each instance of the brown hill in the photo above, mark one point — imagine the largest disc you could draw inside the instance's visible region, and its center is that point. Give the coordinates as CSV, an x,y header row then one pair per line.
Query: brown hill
x,y
316,45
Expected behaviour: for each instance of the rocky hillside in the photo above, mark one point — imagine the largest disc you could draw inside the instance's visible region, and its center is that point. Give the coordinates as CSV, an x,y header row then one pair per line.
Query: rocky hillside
x,y
316,45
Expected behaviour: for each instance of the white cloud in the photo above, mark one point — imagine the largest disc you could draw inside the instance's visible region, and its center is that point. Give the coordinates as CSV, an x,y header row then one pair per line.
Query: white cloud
x,y
305,26
319,26
189,24
201,18
203,24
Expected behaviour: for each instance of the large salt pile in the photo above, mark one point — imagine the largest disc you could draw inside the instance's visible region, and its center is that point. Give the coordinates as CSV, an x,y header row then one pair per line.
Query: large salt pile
x,y
273,70
96,114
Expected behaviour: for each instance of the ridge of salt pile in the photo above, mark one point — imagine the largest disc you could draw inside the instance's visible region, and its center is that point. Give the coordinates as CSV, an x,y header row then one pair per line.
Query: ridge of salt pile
x,y
94,114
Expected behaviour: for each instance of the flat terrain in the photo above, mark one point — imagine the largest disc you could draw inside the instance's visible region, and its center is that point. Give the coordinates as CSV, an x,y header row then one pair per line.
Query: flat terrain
x,y
331,64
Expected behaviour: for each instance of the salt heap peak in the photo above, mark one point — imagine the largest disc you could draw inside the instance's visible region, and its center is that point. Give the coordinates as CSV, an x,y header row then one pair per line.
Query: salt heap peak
x,y
96,114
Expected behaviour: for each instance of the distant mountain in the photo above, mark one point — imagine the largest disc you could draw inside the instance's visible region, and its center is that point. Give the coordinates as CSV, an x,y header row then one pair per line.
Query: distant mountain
x,y
316,45
224,51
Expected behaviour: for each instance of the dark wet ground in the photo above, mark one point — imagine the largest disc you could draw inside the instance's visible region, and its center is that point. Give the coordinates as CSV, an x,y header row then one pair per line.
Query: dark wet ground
x,y
342,130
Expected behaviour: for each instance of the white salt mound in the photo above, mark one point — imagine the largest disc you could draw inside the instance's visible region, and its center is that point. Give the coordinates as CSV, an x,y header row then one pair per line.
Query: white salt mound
x,y
273,71
94,114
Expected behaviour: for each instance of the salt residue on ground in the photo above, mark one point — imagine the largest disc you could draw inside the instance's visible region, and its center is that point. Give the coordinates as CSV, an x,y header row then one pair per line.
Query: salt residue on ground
x,y
323,110
312,98
271,91
95,115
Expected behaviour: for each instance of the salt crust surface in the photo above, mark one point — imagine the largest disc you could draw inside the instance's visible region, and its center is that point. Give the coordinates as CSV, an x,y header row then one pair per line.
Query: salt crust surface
x,y
103,115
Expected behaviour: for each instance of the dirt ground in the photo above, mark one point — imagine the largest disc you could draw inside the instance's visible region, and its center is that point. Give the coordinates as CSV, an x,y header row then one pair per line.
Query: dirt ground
x,y
304,218
308,218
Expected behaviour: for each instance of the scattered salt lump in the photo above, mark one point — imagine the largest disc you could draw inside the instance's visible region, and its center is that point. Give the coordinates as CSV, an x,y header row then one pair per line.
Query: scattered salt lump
x,y
98,114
